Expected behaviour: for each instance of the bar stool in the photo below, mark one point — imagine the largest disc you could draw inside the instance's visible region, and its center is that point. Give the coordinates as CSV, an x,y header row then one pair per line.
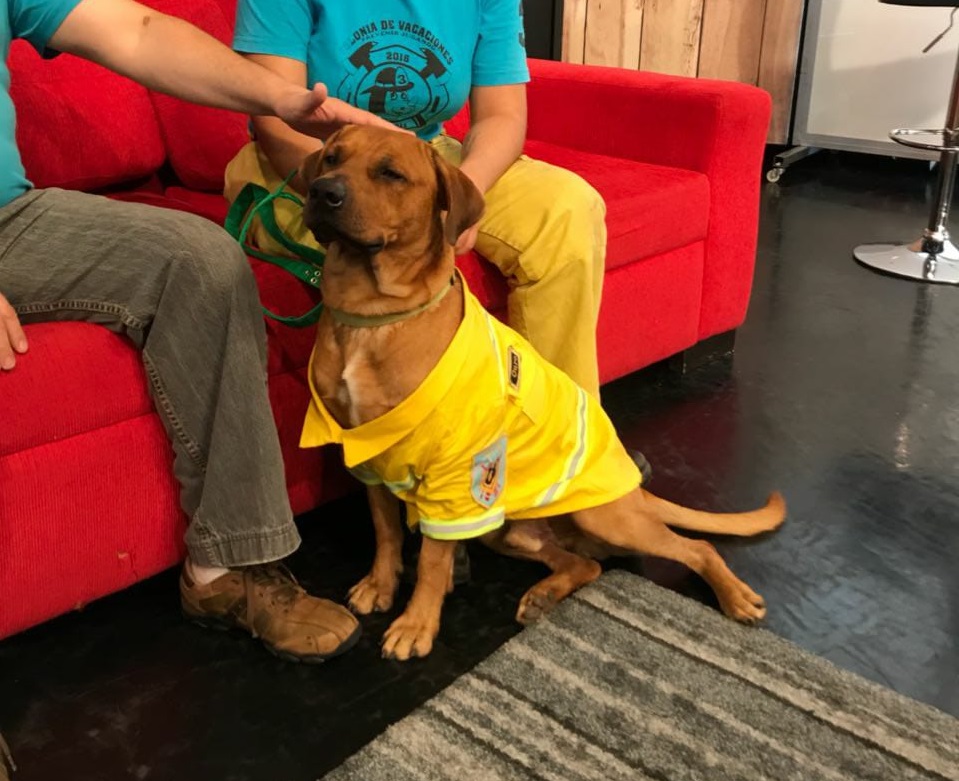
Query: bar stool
x,y
933,257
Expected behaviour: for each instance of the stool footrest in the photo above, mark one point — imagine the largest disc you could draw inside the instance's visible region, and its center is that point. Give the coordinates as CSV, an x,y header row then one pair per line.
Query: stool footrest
x,y
911,137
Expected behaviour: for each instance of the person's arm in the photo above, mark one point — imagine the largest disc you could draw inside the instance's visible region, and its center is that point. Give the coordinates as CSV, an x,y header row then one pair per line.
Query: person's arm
x,y
169,55
497,132
494,141
284,147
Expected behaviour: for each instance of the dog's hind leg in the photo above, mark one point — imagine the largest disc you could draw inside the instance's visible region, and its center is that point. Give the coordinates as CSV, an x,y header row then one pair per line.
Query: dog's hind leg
x,y
632,523
533,540
378,589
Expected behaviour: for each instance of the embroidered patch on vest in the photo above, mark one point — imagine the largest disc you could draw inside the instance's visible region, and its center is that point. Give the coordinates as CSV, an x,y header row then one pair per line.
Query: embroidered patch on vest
x,y
515,364
489,473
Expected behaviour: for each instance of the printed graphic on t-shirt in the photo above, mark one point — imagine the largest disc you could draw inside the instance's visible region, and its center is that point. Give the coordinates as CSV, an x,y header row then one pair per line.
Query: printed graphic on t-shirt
x,y
522,26
398,70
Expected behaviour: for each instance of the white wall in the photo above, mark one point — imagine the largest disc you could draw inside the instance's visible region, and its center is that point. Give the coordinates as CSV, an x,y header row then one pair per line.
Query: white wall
x,y
868,73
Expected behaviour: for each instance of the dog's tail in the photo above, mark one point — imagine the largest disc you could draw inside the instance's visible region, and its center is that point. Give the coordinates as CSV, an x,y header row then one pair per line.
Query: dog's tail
x,y
738,524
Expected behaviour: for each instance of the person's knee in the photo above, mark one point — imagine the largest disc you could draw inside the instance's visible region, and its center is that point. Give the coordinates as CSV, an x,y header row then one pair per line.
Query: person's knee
x,y
554,227
213,261
573,226
576,201
222,262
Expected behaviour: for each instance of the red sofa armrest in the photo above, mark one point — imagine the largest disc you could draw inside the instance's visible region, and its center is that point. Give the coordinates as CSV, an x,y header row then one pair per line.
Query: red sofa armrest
x,y
717,128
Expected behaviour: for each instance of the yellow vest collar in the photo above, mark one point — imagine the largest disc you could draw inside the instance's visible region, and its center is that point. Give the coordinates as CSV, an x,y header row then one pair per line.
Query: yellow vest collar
x,y
368,440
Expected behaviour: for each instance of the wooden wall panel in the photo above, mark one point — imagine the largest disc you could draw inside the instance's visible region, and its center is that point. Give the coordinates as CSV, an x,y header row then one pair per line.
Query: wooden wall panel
x,y
778,62
752,41
613,32
671,33
632,32
732,39
574,30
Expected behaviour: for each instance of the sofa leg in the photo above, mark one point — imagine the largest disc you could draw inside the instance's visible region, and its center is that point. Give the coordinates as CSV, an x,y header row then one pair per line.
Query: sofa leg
x,y
716,348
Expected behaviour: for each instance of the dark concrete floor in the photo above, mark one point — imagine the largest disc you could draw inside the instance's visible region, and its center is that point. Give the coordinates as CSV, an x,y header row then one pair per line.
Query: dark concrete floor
x,y
843,394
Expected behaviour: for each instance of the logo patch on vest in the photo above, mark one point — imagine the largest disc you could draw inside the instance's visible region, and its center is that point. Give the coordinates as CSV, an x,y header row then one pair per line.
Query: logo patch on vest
x,y
489,473
515,365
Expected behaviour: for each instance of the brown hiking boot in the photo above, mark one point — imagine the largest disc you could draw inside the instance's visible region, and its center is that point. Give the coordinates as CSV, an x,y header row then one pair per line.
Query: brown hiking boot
x,y
266,601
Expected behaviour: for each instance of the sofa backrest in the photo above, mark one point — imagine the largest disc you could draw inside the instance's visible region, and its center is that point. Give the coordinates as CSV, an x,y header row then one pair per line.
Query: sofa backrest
x,y
200,141
79,126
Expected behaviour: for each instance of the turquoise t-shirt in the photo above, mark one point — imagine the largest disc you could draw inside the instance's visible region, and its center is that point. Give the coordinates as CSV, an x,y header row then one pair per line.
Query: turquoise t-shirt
x,y
36,21
409,61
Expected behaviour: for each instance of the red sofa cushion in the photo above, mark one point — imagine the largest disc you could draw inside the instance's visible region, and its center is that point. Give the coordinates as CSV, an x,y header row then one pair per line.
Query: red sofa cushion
x,y
213,206
76,378
314,475
79,126
199,141
642,213
229,11
650,310
85,516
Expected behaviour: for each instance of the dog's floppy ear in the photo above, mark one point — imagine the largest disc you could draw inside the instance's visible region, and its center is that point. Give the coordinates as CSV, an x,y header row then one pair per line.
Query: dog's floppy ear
x,y
458,197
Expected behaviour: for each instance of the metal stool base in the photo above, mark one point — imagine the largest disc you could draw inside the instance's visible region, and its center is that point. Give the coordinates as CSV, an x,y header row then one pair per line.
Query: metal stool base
x,y
933,258
910,261
910,137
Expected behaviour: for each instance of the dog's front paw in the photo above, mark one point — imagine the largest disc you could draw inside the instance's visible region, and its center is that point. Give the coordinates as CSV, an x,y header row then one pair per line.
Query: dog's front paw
x,y
373,593
743,604
409,637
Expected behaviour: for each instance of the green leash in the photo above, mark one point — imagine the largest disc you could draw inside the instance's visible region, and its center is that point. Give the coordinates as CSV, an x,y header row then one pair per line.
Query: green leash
x,y
255,200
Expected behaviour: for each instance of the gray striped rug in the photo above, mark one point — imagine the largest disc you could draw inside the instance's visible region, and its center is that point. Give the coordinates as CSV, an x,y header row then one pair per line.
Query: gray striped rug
x,y
627,680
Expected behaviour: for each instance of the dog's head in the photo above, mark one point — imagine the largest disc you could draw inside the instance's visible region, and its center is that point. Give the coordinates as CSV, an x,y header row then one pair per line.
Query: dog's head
x,y
374,190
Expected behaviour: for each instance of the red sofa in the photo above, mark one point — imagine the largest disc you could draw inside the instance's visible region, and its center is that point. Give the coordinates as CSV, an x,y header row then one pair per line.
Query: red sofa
x,y
88,504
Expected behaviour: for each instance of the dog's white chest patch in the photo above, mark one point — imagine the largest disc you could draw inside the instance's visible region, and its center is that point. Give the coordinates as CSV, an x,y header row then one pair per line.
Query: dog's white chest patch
x,y
347,391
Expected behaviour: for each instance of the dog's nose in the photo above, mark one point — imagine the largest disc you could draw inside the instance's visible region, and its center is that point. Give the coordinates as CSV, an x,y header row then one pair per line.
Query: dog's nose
x,y
329,191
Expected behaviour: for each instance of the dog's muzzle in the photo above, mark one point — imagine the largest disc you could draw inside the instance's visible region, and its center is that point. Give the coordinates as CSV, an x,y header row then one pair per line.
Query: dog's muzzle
x,y
328,219
328,192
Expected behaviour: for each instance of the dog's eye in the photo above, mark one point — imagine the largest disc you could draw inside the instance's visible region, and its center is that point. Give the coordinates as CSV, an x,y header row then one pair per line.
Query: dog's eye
x,y
392,174
329,158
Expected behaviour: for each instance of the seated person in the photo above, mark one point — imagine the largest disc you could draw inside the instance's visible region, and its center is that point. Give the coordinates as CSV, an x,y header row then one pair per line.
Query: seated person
x,y
183,292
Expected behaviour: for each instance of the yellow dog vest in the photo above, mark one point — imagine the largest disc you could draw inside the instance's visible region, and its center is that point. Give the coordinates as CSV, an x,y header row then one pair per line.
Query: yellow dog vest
x,y
493,432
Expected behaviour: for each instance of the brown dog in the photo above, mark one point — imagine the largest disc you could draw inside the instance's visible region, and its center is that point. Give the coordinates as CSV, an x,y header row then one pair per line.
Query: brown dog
x,y
390,209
